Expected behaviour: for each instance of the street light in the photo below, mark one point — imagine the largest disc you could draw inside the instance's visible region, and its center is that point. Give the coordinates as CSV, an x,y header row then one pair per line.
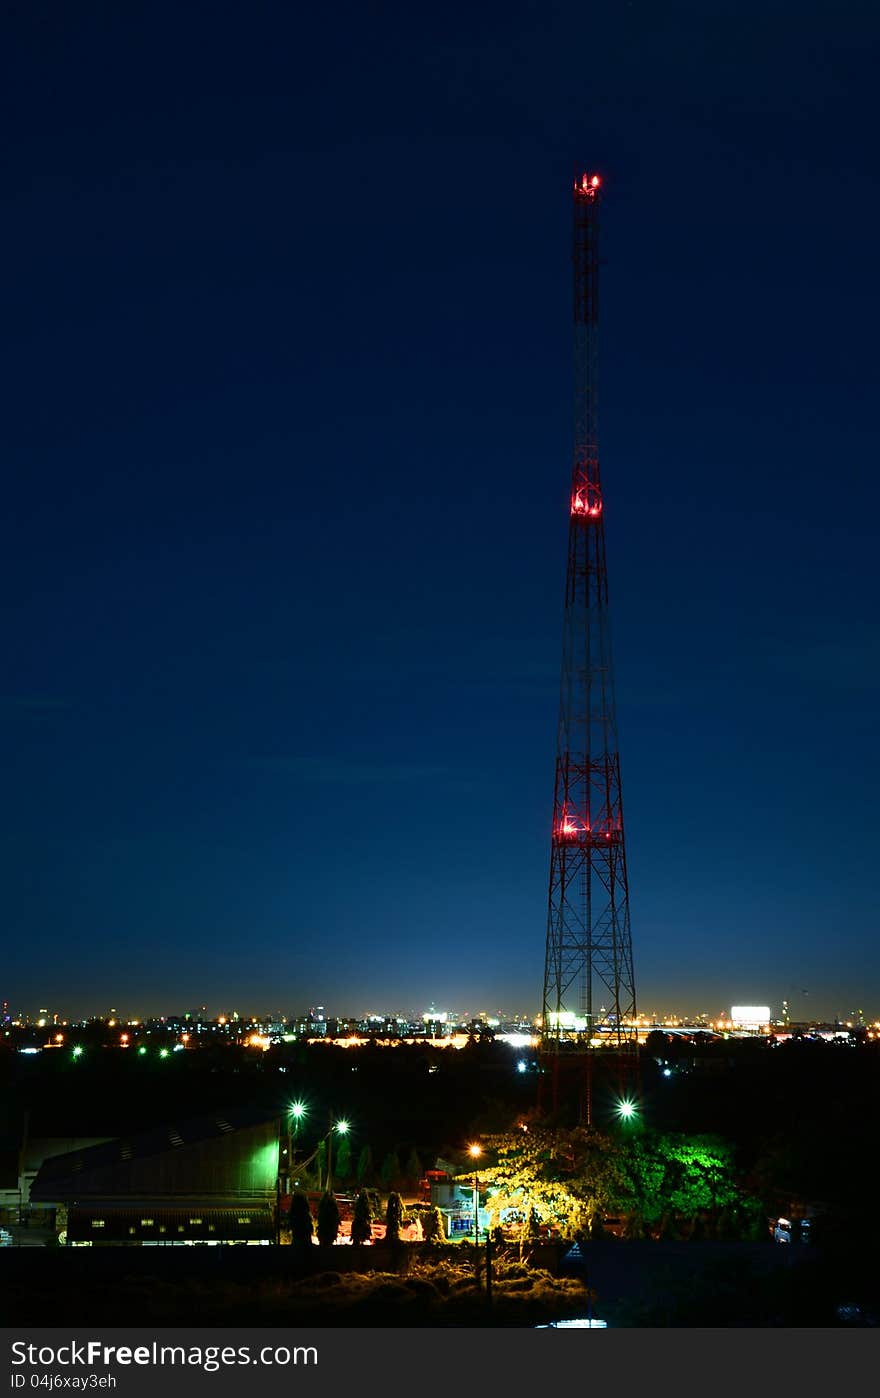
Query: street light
x,y
475,1152
626,1109
343,1127
295,1113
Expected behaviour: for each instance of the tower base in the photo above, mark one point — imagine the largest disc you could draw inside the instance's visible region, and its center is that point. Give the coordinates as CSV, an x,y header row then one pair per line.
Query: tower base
x,y
586,1087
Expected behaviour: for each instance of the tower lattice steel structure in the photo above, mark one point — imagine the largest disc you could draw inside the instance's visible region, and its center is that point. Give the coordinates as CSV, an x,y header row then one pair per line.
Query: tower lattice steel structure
x,y
589,987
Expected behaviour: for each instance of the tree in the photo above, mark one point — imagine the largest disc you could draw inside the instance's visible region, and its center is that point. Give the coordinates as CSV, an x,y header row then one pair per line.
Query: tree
x,y
362,1222
412,1172
328,1220
393,1217
390,1171
342,1163
571,1180
433,1226
364,1169
301,1228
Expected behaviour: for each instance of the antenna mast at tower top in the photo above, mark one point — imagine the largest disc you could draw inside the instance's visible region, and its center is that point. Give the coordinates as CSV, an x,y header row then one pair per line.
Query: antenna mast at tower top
x,y
589,999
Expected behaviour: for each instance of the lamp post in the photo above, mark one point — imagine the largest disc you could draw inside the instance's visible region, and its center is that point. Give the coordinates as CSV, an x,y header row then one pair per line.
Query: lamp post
x,y
295,1112
475,1152
342,1127
295,1115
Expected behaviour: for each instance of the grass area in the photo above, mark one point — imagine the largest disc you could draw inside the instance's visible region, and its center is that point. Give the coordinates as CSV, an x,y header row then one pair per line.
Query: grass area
x,y
429,1294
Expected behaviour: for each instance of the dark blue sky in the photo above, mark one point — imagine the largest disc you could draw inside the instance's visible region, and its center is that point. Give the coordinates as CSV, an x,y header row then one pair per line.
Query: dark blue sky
x,y
287,435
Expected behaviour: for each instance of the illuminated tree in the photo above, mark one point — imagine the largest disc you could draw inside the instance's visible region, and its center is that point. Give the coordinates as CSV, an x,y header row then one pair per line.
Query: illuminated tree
x,y
433,1226
393,1218
571,1180
361,1223
301,1228
328,1220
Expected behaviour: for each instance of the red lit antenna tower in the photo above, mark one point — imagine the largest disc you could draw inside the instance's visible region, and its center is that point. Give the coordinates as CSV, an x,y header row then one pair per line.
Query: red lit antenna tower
x,y
589,990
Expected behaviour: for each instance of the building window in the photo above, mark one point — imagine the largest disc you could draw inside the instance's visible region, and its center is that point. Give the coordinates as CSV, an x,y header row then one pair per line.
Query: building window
x,y
132,1230
97,1222
195,1220
147,1222
244,1219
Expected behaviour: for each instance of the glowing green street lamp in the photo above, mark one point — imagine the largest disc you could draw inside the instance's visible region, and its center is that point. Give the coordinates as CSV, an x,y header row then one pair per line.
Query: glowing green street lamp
x,y
626,1109
295,1113
77,1051
342,1126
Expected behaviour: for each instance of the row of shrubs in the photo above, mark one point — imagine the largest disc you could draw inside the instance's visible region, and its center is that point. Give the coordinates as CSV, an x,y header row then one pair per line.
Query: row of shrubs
x,y
326,1223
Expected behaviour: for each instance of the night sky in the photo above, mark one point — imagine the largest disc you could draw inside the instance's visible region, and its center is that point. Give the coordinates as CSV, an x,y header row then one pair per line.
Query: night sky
x,y
287,437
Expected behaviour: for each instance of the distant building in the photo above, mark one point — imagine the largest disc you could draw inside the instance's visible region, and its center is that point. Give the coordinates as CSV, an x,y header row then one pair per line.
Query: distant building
x,y
752,1017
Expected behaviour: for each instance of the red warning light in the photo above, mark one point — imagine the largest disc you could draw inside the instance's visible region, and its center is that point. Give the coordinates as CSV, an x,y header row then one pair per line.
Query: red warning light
x,y
580,506
587,184
571,829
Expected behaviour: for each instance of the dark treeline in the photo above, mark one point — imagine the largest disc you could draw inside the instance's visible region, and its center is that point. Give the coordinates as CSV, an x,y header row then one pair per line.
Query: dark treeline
x,y
800,1117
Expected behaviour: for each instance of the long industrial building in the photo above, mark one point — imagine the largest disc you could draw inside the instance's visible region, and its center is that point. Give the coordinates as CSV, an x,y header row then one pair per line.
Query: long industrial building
x,y
209,1180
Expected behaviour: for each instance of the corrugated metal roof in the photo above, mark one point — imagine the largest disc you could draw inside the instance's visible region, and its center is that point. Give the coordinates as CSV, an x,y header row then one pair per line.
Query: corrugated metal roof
x,y
156,1141
79,1173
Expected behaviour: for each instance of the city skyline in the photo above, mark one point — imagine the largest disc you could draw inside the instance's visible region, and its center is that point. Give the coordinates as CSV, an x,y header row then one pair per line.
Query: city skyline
x,y
288,449
800,1010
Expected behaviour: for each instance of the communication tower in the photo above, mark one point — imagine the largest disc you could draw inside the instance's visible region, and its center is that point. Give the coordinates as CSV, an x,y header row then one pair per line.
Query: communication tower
x,y
589,1005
